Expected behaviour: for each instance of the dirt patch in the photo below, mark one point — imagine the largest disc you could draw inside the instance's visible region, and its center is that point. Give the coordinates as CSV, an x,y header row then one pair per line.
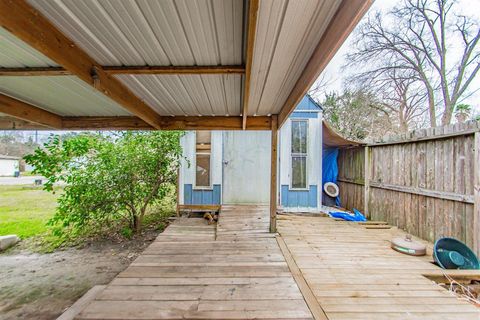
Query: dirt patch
x,y
42,286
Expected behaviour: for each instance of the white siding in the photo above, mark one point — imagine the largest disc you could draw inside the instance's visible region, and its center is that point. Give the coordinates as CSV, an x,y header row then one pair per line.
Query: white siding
x,y
8,167
187,172
314,154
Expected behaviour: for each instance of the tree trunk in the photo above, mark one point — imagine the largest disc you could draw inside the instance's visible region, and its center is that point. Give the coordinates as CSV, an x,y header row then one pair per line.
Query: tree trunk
x,y
137,223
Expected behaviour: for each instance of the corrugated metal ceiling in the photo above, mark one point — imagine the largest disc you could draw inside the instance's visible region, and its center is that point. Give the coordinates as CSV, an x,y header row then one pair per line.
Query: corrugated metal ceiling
x,y
179,33
64,95
14,53
144,32
190,95
287,34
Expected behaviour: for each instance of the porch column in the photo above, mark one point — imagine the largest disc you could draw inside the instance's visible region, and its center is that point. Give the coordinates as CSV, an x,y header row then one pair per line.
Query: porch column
x,y
273,176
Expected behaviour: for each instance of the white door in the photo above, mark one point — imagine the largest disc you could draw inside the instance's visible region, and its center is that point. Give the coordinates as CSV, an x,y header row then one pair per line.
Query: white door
x,y
246,167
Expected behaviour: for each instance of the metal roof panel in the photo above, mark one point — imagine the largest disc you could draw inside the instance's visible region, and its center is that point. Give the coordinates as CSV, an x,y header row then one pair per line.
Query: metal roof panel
x,y
64,95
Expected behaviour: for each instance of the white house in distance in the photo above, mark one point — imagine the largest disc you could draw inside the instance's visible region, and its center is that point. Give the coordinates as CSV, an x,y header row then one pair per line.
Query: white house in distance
x,y
233,167
9,166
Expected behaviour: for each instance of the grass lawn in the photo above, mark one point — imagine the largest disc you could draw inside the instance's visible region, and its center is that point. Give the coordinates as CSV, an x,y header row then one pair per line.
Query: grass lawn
x,y
25,210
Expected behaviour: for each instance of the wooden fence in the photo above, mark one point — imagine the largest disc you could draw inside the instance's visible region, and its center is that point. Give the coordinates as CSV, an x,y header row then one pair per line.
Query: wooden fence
x,y
426,182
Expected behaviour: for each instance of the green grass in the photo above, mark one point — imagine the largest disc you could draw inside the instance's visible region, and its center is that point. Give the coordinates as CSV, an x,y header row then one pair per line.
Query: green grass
x,y
24,210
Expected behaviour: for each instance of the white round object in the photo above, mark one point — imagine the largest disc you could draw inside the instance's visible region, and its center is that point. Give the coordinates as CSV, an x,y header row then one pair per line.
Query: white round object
x,y
331,189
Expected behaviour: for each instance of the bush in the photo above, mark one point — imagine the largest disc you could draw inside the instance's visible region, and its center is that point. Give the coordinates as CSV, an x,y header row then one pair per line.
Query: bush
x,y
110,178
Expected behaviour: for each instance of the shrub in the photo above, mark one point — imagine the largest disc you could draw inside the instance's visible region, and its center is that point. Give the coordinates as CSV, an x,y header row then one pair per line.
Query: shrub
x,y
109,177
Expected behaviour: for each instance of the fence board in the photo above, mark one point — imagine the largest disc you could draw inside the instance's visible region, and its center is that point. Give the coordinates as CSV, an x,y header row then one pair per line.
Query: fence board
x,y
428,185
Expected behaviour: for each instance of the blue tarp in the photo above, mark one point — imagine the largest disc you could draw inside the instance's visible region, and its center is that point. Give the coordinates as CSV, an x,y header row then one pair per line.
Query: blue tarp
x,y
357,216
330,168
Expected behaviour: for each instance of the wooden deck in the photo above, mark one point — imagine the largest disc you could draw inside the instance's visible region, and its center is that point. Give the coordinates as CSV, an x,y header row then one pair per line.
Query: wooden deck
x,y
318,268
193,271
354,274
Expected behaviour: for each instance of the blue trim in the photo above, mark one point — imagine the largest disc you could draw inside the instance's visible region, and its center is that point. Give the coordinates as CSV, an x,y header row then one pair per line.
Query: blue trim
x,y
307,104
299,198
304,115
201,196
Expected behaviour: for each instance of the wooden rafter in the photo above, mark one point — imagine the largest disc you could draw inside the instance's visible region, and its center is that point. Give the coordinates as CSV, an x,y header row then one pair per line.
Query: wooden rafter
x,y
251,30
167,123
152,70
9,123
32,72
345,19
24,111
41,119
175,70
29,25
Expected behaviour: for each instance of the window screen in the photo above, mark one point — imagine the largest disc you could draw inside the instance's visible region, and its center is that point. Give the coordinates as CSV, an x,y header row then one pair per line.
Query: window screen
x,y
299,154
202,159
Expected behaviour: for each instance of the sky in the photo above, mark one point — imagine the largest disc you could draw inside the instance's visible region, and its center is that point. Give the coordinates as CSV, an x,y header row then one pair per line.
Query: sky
x,y
333,74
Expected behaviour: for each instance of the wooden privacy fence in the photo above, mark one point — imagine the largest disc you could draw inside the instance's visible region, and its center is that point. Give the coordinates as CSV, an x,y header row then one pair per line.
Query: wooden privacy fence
x,y
426,182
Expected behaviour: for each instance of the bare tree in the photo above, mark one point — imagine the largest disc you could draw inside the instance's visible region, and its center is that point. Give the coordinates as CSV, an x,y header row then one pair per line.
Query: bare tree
x,y
420,38
399,95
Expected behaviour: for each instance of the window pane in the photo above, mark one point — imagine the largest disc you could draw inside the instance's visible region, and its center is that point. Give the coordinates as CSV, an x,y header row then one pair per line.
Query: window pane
x,y
203,149
299,137
299,172
203,170
203,143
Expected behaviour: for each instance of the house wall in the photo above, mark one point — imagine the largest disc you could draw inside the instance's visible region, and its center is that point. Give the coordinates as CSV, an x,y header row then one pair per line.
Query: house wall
x,y
309,199
8,167
188,192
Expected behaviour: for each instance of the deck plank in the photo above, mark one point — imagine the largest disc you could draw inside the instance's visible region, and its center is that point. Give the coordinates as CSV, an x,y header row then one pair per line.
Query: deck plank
x,y
354,274
234,270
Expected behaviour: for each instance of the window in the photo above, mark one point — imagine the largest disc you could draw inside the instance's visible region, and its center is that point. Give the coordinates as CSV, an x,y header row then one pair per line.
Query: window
x,y
299,154
203,148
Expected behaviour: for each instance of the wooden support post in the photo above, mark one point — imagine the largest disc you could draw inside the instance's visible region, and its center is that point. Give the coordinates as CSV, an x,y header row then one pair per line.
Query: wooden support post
x,y
178,193
476,195
366,188
273,178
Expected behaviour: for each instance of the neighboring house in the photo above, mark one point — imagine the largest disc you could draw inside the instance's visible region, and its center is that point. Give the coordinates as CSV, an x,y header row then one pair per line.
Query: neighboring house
x,y
9,166
233,167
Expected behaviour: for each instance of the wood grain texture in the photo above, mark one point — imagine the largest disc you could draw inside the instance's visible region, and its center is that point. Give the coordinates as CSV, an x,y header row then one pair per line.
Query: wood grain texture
x,y
24,111
152,70
251,31
425,185
354,274
166,123
273,175
341,25
193,270
29,25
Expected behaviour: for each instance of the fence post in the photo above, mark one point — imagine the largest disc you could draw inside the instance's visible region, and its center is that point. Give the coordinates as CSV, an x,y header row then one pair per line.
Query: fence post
x,y
476,194
366,182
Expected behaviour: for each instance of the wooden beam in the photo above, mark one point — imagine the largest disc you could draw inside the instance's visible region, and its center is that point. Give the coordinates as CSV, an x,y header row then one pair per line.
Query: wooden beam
x,y
7,123
24,111
251,30
175,70
166,122
152,70
33,72
343,22
105,123
30,26
273,176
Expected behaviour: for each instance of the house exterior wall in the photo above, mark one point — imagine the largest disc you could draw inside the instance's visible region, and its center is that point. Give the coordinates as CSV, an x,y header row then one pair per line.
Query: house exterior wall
x,y
308,199
8,167
189,193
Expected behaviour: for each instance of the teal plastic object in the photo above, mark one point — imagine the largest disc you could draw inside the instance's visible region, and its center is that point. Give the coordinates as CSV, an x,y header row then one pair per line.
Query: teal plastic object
x,y
450,253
